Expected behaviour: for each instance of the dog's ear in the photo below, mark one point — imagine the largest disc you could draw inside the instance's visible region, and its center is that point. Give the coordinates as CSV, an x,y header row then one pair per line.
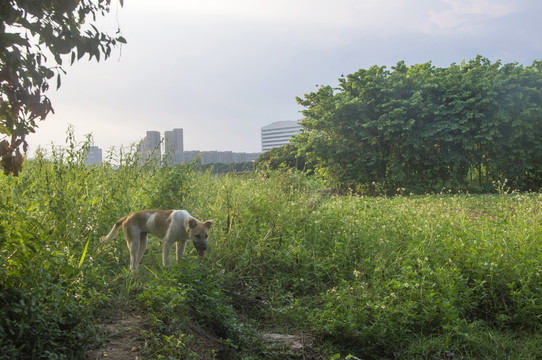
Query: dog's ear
x,y
192,223
209,223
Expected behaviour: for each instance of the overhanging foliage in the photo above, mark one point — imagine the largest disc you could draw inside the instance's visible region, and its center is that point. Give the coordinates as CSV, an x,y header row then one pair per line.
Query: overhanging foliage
x,y
34,35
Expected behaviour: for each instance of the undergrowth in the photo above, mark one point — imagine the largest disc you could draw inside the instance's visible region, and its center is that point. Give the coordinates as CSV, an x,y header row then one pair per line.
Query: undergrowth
x,y
434,277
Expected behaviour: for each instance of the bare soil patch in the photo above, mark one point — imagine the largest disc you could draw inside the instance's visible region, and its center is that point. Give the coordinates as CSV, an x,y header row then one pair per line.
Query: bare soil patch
x,y
121,333
121,330
299,346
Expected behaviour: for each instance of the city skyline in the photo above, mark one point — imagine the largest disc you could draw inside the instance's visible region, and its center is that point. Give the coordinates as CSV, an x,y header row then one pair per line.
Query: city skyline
x,y
174,153
169,149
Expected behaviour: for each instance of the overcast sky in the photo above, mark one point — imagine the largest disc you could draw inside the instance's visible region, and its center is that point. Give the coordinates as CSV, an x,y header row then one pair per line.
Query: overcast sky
x,y
223,69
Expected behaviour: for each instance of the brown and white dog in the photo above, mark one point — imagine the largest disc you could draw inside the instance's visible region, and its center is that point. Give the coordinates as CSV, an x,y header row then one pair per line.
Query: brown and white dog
x,y
171,226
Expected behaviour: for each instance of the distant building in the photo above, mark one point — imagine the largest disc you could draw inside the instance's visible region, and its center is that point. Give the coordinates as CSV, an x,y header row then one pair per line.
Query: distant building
x,y
94,155
244,157
190,155
174,151
174,147
223,157
150,147
279,133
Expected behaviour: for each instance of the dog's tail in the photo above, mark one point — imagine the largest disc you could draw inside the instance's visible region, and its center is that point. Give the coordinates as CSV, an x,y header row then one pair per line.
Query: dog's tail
x,y
115,229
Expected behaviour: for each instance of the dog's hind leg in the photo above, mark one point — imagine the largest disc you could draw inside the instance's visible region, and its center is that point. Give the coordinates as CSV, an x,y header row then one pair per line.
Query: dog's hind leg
x,y
133,240
142,247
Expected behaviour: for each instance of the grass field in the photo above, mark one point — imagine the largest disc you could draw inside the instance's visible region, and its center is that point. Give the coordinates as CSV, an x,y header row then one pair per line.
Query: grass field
x,y
447,276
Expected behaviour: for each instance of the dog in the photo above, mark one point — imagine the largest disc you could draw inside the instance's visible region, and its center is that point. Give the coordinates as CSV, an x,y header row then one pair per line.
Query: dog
x,y
171,226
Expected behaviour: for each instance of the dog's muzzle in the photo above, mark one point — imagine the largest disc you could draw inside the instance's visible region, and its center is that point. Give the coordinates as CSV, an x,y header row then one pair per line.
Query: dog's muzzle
x,y
201,251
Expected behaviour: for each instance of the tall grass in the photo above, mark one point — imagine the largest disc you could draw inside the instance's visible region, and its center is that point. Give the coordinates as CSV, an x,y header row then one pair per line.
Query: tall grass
x,y
55,272
382,277
441,276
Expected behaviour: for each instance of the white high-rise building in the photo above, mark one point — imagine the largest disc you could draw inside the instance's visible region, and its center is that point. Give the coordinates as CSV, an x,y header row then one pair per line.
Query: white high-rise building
x,y
279,133
174,147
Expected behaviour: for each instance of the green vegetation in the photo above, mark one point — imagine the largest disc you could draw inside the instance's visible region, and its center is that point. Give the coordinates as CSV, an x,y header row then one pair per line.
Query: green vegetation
x,y
446,276
283,157
220,168
425,128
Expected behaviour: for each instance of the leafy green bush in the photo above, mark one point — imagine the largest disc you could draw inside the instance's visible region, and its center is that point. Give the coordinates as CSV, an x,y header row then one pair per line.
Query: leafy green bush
x,y
425,128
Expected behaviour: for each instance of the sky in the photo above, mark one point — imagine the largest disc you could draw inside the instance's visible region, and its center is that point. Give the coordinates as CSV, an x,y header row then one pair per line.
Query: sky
x,y
223,69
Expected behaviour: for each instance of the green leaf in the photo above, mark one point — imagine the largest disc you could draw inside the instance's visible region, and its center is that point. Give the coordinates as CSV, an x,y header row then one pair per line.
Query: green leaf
x,y
84,254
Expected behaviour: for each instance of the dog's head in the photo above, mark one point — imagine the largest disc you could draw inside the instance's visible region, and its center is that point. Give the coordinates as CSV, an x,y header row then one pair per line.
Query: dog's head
x,y
198,232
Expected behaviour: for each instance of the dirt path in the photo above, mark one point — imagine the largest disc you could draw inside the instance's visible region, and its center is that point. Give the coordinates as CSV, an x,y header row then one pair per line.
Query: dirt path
x,y
122,330
122,327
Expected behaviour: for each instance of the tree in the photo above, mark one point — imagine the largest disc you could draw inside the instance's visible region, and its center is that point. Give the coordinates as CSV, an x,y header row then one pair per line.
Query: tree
x,y
285,156
424,128
35,35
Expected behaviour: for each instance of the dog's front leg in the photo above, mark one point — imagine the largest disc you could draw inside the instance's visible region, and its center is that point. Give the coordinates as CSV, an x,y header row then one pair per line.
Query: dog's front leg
x,y
180,249
166,247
